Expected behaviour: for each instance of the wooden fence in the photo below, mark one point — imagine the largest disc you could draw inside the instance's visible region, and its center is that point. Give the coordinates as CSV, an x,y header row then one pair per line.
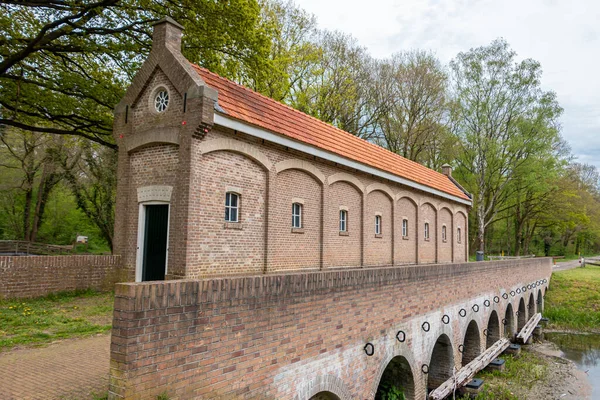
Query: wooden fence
x,y
22,247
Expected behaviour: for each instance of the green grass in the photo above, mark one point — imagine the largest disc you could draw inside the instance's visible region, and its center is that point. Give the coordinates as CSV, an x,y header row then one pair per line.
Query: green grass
x,y
60,316
573,299
520,373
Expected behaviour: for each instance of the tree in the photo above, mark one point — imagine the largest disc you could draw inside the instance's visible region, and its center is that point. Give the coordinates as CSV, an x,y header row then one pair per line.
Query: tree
x,y
343,89
414,125
294,51
64,64
91,176
33,160
502,118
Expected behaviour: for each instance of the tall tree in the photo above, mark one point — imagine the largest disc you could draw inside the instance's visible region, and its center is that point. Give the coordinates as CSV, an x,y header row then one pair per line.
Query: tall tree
x,y
294,52
64,64
343,89
414,125
502,117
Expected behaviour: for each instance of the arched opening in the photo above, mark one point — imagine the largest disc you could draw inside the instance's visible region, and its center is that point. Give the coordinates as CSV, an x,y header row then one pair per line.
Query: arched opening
x,y
471,347
493,330
324,396
509,322
540,301
522,315
531,306
441,364
396,378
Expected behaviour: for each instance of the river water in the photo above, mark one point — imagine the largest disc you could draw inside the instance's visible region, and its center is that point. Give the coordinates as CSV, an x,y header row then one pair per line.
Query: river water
x,y
584,350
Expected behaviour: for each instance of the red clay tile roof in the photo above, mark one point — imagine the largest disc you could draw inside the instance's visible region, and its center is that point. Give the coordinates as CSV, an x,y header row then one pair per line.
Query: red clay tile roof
x,y
246,105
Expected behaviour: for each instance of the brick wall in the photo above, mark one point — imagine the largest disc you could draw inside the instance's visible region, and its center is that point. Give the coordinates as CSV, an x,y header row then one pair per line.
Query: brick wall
x,y
290,336
298,247
33,276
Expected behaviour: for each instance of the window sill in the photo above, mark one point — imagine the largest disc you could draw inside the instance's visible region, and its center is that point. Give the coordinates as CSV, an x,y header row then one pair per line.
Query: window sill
x,y
427,239
444,241
378,235
344,233
405,238
233,225
297,230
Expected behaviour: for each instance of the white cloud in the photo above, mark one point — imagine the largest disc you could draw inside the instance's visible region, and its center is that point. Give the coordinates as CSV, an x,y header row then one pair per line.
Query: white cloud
x,y
563,35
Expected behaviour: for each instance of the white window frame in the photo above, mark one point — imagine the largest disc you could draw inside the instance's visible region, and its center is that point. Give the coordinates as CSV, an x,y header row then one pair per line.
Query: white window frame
x,y
426,230
297,216
405,227
343,221
141,237
230,207
378,224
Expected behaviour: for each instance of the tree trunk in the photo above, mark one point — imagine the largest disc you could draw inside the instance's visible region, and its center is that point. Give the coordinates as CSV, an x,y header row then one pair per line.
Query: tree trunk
x,y
27,213
480,227
47,183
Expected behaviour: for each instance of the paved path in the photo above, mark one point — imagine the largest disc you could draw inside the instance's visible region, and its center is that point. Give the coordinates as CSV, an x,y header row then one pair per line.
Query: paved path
x,y
562,266
72,369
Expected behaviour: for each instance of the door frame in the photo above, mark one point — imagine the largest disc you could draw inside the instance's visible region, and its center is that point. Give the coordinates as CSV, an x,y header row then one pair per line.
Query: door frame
x,y
141,237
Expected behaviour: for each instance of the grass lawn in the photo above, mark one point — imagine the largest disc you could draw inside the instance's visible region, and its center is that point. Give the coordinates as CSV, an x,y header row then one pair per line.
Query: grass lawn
x,y
573,299
60,316
518,377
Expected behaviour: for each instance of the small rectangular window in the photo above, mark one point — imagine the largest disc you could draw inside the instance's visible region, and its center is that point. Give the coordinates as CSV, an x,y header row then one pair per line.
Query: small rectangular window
x,y
296,215
426,231
458,235
343,221
404,228
378,224
443,233
232,207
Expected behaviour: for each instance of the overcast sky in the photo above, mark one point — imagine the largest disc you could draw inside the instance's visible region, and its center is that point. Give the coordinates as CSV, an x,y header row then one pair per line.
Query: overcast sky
x,y
563,35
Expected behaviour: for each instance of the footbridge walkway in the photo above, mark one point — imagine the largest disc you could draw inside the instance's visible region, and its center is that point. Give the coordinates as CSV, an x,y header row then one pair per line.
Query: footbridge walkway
x,y
332,334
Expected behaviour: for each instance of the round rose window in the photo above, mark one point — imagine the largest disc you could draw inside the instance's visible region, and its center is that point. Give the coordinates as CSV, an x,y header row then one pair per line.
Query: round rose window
x,y
161,101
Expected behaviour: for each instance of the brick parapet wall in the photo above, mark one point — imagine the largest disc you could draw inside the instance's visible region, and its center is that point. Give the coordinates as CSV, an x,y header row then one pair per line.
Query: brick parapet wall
x,y
33,276
268,336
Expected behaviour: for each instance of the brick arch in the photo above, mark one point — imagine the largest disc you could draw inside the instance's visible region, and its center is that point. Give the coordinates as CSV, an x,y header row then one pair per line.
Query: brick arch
x,y
441,205
382,188
531,310
493,329
540,301
405,249
471,343
345,177
428,252
301,165
152,136
405,196
509,321
409,376
441,362
378,248
446,248
237,147
460,220
522,317
324,383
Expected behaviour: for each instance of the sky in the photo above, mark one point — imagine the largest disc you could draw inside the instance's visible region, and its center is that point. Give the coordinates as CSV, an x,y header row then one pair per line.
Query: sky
x,y
564,36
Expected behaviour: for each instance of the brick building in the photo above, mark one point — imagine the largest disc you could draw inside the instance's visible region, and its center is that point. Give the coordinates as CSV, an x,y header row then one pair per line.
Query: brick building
x,y
215,179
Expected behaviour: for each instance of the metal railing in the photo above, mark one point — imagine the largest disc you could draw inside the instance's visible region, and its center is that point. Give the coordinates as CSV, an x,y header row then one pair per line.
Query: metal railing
x,y
492,258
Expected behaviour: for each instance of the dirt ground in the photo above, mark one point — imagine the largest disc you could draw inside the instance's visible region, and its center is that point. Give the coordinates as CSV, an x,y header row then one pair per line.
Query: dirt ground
x,y
564,380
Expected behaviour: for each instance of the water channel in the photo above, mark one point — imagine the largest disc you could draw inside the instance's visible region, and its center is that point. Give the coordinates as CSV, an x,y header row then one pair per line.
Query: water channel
x,y
584,350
